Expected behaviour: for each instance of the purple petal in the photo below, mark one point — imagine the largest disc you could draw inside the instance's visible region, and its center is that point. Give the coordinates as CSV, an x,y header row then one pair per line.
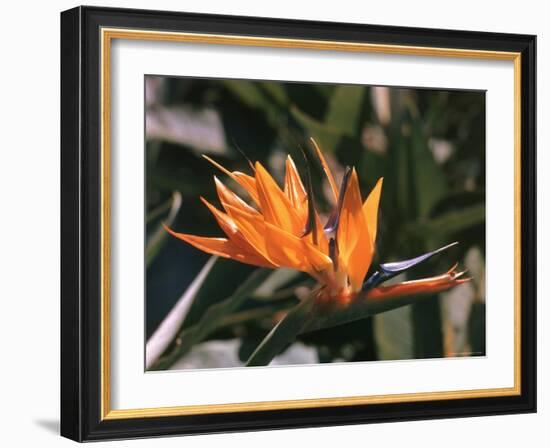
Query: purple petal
x,y
334,218
389,270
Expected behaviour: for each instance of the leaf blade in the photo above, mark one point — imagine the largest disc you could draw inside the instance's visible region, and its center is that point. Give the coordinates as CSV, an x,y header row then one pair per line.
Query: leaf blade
x,y
282,334
159,236
167,330
212,318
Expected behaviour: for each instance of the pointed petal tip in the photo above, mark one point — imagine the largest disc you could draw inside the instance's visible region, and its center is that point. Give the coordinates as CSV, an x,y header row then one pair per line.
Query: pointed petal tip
x,y
219,184
460,281
260,171
243,154
453,268
206,202
444,248
394,268
174,233
455,243
168,229
217,165
457,275
326,169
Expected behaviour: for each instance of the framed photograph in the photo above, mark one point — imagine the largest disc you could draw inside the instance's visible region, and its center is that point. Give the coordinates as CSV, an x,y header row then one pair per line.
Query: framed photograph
x,y
273,224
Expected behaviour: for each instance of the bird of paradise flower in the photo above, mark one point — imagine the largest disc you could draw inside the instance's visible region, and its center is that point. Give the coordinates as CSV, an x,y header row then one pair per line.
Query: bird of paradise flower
x,y
285,231
282,228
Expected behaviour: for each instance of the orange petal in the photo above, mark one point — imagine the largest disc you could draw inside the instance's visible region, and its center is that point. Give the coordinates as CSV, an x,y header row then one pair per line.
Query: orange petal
x,y
370,209
275,206
431,285
354,242
227,197
248,183
219,246
326,168
224,220
244,180
294,189
230,228
252,227
290,251
296,193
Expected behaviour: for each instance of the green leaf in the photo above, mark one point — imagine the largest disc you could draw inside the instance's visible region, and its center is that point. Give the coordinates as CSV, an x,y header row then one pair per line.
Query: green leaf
x,y
225,278
268,98
342,117
248,92
211,319
251,94
282,334
279,278
327,136
399,177
427,328
449,223
169,327
326,315
159,236
158,211
312,315
276,91
393,334
428,177
344,110
418,181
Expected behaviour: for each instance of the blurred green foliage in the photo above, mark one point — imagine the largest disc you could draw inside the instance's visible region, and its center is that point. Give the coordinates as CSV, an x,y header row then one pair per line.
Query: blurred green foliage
x,y
429,145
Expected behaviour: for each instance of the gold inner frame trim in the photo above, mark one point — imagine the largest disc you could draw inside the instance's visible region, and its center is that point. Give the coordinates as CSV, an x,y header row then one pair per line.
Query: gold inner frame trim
x,y
107,35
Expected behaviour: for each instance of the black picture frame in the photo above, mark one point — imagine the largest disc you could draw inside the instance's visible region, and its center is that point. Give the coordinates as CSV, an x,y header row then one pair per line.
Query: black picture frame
x,y
81,224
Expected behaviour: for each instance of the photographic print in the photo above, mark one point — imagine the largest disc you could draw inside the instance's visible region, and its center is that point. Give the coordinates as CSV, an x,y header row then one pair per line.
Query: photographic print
x,y
293,223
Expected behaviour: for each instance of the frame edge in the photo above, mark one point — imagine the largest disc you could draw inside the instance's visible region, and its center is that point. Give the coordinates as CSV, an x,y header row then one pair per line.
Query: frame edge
x,y
71,85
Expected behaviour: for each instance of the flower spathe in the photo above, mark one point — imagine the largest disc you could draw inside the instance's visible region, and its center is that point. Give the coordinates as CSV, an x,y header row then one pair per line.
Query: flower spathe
x,y
282,228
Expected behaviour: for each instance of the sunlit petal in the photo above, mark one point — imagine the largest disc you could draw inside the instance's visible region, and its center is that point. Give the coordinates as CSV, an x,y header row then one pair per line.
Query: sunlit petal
x,y
275,206
370,209
248,183
431,285
354,242
252,227
294,189
244,180
291,251
228,197
230,228
221,247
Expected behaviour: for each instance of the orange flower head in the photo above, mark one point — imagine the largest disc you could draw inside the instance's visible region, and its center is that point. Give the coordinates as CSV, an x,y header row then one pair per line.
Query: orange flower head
x,y
282,228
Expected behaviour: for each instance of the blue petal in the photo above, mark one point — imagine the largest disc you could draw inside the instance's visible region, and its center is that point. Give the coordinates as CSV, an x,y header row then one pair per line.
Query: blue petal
x,y
334,218
389,270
